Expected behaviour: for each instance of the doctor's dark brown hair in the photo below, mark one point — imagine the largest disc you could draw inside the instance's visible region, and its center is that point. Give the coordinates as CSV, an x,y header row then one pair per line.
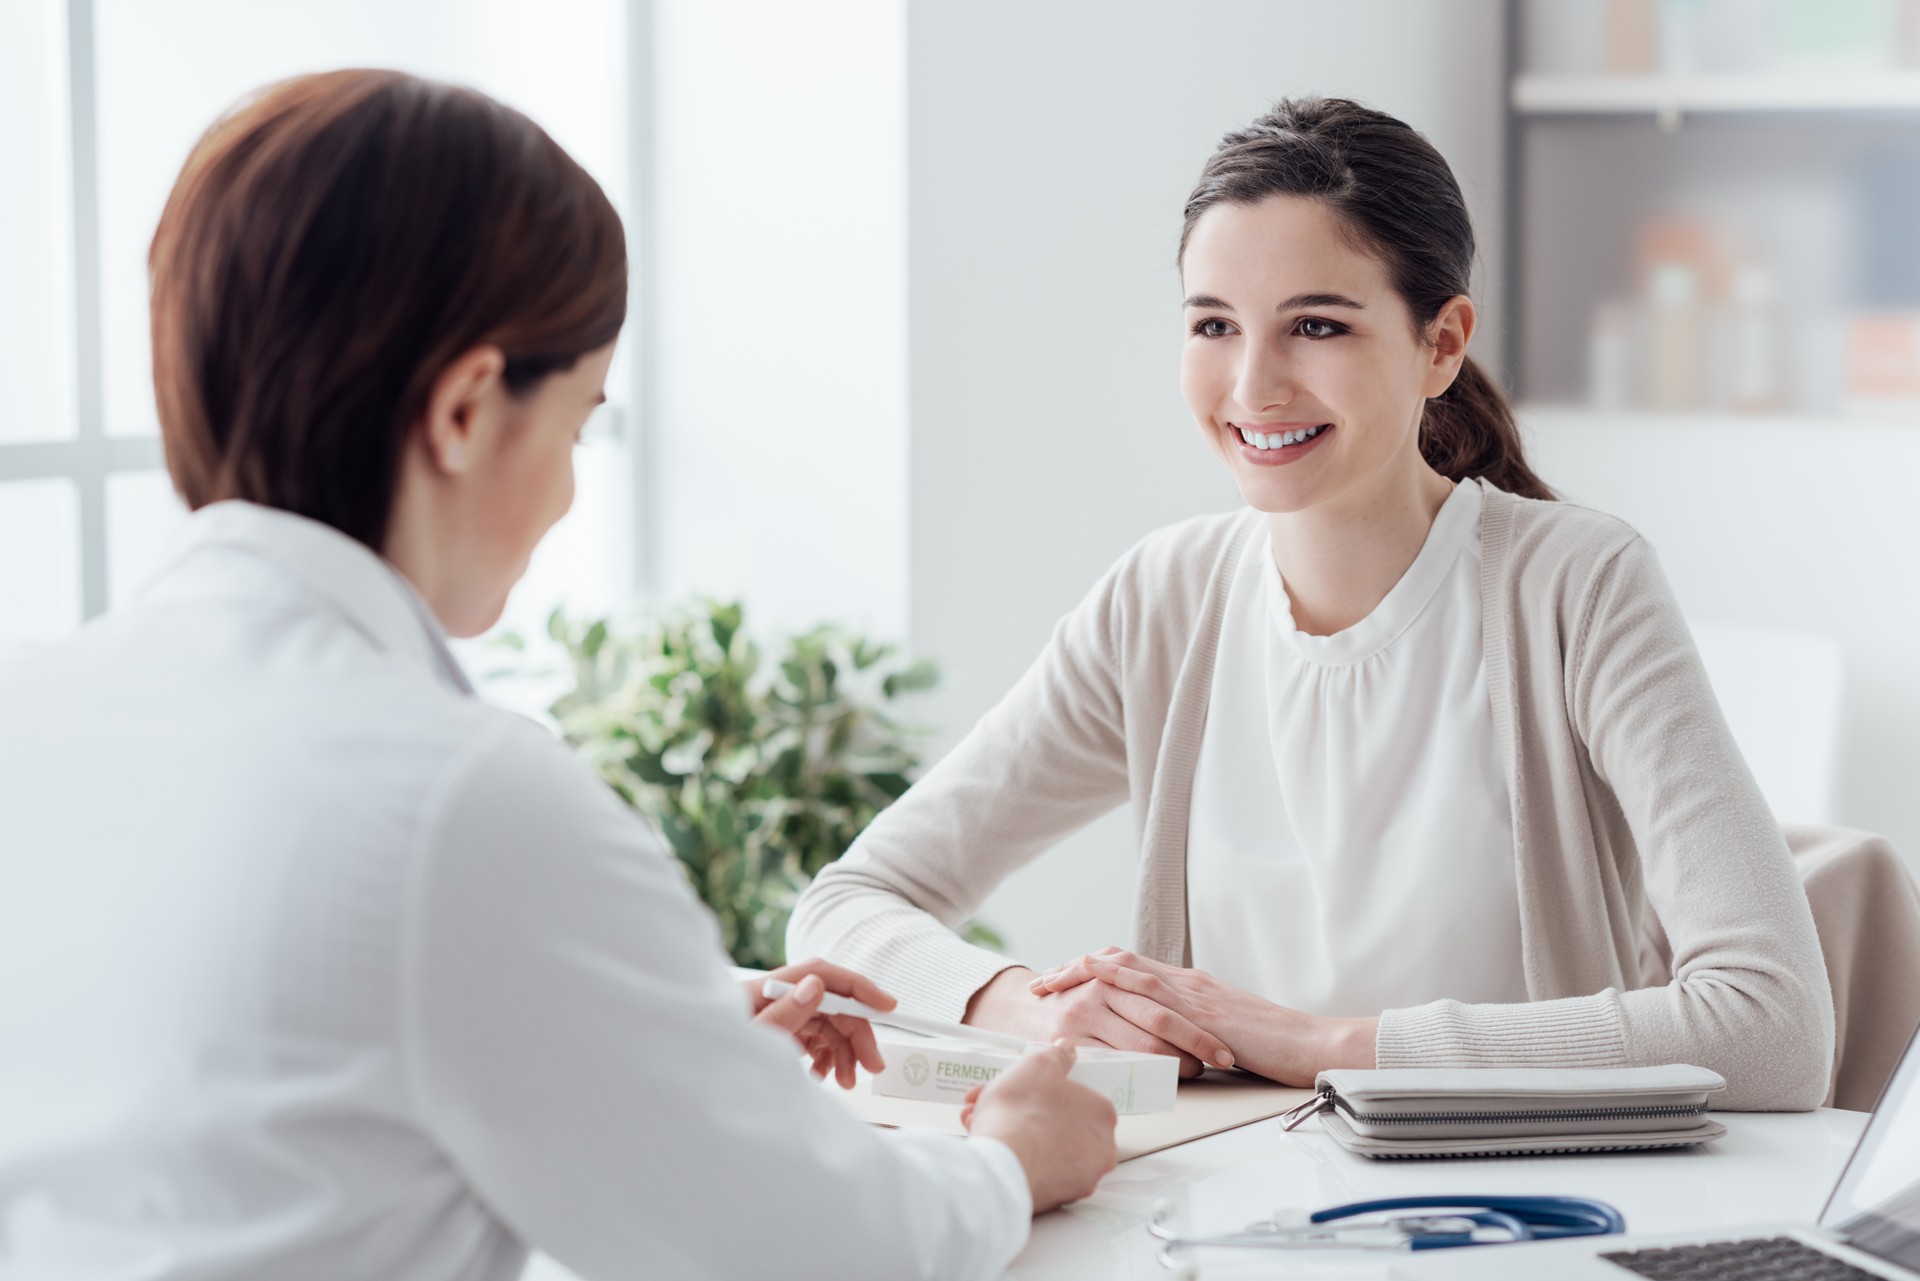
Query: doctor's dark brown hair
x,y
330,246
1397,199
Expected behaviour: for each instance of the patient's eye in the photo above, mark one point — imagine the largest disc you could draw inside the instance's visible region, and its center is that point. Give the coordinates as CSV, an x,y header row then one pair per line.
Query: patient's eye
x,y
1212,327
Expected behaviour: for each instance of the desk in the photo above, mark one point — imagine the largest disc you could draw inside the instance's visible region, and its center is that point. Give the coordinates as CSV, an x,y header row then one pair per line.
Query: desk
x,y
1770,1166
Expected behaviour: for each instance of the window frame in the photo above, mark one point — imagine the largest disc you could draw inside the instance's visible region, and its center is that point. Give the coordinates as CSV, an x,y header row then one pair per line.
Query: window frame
x,y
91,456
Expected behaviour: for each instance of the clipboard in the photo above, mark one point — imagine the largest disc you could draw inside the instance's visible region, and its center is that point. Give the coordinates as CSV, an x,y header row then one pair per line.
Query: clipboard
x,y
1208,1104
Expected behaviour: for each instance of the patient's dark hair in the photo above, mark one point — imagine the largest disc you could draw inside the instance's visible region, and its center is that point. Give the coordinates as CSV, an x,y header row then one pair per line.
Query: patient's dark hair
x,y
331,245
1397,199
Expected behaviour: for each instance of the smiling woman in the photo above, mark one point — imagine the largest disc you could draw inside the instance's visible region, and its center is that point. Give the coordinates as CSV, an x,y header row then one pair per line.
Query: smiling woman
x,y
1419,760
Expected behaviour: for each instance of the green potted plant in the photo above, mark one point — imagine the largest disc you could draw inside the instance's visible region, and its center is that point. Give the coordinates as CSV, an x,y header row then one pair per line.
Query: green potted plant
x,y
759,766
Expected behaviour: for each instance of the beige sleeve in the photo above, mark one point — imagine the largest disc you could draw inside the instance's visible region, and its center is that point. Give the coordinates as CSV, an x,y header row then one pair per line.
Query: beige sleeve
x,y
1749,997
1047,760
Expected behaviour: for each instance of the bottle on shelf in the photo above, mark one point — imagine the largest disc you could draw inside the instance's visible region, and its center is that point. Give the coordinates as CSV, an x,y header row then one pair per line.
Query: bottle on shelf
x,y
1681,269
1754,356
1610,356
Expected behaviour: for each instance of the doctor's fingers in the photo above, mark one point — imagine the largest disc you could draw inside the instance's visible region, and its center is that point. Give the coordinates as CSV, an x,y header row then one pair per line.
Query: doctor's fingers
x,y
796,1009
839,980
1169,1026
859,1037
821,1056
827,1042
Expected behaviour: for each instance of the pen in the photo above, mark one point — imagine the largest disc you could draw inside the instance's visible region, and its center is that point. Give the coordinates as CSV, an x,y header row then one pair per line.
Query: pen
x,y
772,989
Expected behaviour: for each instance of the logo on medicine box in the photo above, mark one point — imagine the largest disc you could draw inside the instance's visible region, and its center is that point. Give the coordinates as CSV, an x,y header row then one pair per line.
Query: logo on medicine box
x,y
917,1069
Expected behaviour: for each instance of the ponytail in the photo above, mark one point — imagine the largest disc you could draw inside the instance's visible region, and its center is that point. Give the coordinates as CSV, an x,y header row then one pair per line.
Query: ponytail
x,y
1468,433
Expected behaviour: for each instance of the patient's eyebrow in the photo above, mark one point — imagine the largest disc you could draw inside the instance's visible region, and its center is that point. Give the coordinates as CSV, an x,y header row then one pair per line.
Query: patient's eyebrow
x,y
1209,303
1299,301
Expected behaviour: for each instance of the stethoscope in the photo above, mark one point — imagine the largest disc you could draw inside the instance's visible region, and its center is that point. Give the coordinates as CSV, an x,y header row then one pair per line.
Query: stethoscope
x,y
1441,1222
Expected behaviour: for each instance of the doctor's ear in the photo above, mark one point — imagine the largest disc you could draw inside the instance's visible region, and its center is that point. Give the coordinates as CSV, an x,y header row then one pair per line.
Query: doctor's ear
x,y
464,399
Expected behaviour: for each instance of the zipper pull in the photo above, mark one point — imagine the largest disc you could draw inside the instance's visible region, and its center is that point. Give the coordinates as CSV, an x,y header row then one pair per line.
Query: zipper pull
x,y
1301,1114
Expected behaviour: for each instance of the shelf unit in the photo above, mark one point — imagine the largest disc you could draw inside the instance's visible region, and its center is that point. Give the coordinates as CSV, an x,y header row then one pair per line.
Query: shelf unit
x,y
1824,119
1542,94
1572,416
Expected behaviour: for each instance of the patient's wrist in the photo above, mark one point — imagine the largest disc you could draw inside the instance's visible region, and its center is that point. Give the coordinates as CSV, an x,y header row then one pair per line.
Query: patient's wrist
x,y
1349,1043
1003,1003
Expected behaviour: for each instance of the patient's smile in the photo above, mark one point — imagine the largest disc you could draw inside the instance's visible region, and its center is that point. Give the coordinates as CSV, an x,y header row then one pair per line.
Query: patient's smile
x,y
1270,444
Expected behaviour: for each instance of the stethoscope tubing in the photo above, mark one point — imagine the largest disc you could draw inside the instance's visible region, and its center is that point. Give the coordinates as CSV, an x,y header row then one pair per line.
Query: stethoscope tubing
x,y
1546,1218
1537,1218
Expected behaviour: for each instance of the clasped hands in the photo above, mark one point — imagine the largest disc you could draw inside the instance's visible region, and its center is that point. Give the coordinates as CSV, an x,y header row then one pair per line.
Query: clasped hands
x,y
1117,998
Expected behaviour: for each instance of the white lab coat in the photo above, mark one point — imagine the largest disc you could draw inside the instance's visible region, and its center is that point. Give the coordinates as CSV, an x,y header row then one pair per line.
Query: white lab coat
x,y
314,965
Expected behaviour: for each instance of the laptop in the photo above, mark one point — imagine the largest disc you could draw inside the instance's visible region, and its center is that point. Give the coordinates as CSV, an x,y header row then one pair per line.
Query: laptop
x,y
1869,1229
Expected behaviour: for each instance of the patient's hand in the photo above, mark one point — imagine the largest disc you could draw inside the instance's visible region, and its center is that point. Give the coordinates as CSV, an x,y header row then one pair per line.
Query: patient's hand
x,y
835,1042
1278,1043
1096,1013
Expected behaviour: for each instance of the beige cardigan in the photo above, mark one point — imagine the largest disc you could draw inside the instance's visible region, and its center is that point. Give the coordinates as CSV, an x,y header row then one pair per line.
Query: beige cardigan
x,y
1643,847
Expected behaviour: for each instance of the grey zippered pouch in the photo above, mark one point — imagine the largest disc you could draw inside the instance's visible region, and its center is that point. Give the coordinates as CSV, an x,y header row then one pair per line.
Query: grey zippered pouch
x,y
1494,1111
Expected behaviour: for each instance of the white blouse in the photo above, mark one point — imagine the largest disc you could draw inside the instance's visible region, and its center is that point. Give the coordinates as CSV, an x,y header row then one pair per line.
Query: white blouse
x,y
1351,847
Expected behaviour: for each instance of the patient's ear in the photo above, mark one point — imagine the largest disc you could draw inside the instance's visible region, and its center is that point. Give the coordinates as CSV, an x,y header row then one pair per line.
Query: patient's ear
x,y
1447,337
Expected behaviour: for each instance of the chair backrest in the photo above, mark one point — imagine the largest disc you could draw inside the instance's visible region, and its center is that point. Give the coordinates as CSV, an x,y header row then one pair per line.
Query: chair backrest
x,y
1867,909
1782,694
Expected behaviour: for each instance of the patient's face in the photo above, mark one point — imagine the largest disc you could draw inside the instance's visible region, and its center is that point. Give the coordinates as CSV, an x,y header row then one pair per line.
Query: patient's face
x,y
1291,330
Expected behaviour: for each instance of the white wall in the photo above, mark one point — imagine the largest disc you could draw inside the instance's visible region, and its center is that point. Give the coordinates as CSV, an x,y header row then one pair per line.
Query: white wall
x,y
780,310
1809,525
1051,150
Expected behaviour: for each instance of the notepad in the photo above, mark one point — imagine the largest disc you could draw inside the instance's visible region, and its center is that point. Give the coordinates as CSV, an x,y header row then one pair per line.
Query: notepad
x,y
1208,1104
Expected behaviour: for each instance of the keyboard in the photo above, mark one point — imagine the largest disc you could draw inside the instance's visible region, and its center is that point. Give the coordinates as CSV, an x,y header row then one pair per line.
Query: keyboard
x,y
1757,1259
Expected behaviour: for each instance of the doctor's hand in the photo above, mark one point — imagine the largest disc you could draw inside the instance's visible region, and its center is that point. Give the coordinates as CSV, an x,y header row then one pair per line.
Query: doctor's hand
x,y
1096,1014
1061,1131
835,1042
1271,1040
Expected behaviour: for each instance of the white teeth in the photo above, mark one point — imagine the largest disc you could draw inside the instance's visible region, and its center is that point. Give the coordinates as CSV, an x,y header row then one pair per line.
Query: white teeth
x,y
1279,439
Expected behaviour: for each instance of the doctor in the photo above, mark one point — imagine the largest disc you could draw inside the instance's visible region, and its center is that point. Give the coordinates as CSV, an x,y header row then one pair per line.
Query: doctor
x,y
314,965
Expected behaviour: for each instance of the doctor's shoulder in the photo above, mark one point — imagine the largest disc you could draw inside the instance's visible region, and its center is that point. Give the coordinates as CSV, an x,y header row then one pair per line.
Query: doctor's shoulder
x,y
511,791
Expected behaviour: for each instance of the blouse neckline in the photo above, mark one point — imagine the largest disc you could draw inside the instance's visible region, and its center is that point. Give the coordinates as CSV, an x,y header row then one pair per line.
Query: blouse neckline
x,y
1455,527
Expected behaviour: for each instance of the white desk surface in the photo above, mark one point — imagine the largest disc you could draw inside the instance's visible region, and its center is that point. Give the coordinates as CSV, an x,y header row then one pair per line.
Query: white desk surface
x,y
1770,1166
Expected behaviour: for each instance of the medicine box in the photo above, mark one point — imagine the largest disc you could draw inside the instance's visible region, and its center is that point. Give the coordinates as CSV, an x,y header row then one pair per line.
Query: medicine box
x,y
943,1070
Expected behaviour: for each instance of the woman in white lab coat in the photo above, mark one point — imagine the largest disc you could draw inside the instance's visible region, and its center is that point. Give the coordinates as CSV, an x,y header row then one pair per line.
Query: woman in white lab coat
x,y
311,963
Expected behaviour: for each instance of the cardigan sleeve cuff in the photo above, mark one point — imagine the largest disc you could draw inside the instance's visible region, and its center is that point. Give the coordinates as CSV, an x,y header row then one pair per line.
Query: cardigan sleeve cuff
x,y
932,970
1582,1031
